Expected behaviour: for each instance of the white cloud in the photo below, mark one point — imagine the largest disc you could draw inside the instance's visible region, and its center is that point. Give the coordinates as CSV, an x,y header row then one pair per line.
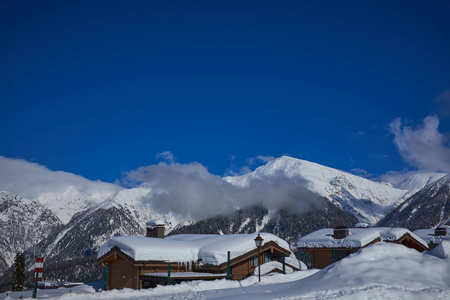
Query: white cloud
x,y
424,146
191,191
29,180
166,155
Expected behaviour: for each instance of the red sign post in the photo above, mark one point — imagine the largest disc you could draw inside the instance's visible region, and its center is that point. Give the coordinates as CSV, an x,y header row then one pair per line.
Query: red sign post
x,y
39,267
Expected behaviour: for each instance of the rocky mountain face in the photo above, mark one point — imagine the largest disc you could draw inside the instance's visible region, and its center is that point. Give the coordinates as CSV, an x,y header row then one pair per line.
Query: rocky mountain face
x,y
23,223
283,223
426,209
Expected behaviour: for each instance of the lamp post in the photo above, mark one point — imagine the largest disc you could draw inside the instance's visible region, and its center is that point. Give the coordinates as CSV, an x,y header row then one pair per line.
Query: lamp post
x,y
258,243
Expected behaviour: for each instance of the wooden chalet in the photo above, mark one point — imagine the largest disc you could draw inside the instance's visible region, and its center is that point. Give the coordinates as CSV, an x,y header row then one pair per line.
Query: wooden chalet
x,y
329,245
144,262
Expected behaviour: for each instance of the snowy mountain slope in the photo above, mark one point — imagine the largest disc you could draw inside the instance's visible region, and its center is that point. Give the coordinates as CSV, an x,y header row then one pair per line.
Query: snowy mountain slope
x,y
426,209
65,204
23,223
418,181
367,200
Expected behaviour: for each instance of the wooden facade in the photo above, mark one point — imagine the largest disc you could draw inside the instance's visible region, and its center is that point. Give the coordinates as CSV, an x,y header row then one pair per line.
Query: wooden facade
x,y
323,257
124,272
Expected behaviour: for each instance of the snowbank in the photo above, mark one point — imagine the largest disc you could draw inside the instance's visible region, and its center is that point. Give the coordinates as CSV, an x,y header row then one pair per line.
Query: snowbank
x,y
380,271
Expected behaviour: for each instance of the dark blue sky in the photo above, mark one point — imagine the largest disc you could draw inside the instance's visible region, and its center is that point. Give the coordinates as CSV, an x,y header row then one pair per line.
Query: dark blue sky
x,y
98,88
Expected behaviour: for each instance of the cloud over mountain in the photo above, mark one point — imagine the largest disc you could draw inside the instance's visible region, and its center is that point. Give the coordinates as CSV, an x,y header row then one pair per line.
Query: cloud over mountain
x,y
423,146
190,190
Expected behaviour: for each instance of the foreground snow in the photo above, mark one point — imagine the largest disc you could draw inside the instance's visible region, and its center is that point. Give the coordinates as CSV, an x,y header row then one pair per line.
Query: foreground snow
x,y
380,271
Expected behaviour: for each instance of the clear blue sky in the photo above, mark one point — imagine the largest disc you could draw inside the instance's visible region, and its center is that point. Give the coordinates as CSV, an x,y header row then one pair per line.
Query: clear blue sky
x,y
97,88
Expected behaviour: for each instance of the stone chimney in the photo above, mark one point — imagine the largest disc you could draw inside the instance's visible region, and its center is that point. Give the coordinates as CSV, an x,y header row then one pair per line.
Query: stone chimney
x,y
440,231
340,232
155,228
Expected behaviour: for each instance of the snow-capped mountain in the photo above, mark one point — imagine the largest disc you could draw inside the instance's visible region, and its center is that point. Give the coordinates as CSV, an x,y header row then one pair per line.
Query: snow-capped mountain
x,y
426,209
367,200
418,181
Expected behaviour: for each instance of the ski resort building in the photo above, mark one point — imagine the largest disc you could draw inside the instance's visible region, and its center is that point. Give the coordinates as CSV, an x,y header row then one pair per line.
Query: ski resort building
x,y
434,237
329,245
143,262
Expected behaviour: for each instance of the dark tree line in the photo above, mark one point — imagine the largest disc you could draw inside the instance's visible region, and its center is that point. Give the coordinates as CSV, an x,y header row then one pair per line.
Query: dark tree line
x,y
19,273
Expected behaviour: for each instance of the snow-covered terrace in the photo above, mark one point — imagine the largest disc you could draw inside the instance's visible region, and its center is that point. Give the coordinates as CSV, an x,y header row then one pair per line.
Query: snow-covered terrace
x,y
209,248
357,238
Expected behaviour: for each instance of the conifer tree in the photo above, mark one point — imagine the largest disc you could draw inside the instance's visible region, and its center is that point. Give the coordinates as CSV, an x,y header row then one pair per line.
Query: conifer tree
x,y
19,272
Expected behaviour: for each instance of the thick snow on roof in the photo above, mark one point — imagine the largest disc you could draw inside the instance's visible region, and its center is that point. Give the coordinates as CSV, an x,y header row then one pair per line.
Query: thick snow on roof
x,y
210,248
358,237
155,222
428,235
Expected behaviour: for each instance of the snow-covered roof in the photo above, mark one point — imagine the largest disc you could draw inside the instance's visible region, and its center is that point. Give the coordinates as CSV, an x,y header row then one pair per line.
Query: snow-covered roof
x,y
357,238
428,235
209,248
155,222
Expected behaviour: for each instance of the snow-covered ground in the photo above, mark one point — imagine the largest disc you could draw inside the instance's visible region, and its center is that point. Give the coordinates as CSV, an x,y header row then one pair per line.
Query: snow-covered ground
x,y
380,271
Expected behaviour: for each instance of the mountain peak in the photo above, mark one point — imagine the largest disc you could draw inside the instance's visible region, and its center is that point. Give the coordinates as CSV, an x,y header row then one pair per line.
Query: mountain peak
x,y
365,199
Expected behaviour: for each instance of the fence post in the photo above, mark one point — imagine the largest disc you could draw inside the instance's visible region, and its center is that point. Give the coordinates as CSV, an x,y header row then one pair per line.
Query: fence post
x,y
168,276
228,266
35,285
284,263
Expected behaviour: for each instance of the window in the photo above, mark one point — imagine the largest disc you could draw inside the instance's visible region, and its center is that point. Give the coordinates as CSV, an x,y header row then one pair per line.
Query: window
x,y
254,261
267,257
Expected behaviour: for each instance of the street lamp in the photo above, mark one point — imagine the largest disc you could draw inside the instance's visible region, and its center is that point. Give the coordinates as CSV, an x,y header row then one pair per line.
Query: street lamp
x,y
258,243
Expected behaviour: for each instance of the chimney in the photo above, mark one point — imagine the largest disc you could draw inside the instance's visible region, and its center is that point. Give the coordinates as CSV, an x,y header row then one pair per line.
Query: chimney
x,y
155,228
340,232
440,231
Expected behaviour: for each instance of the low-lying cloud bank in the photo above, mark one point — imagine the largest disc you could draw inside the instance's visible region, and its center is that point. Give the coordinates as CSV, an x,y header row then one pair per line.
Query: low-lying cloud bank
x,y
190,190
30,180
